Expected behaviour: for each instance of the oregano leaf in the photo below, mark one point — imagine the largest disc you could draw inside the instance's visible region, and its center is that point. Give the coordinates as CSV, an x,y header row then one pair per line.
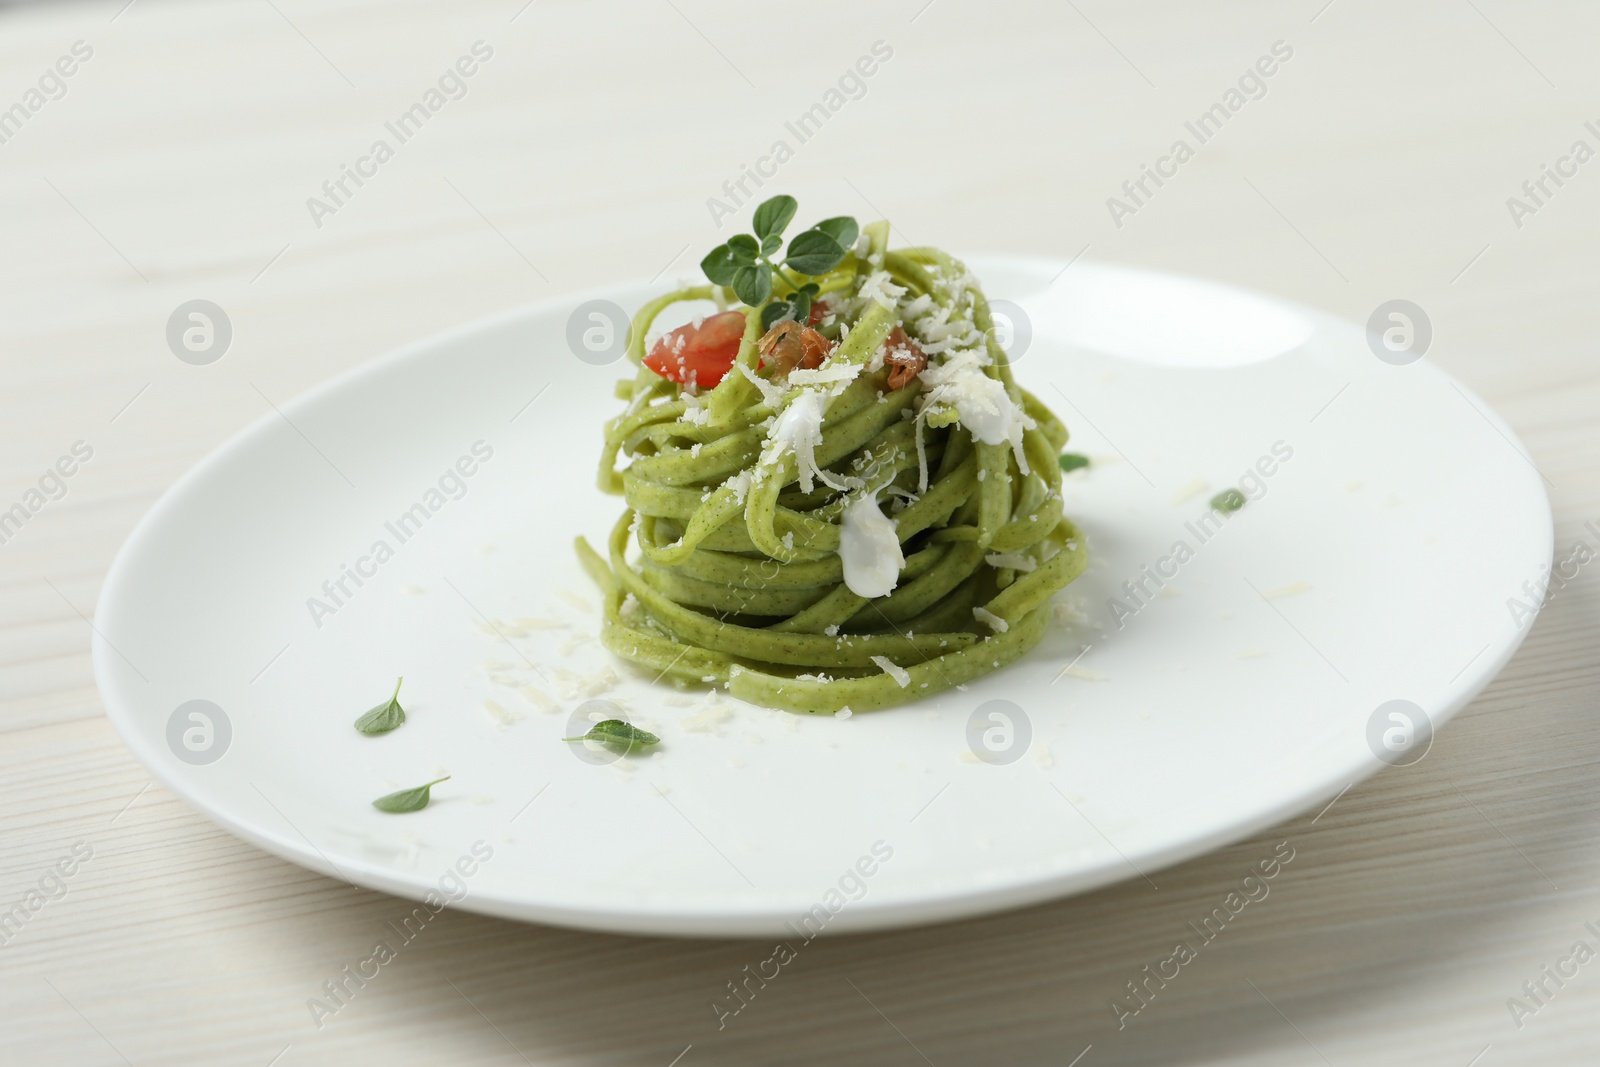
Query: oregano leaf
x,y
408,800
773,216
1228,501
719,265
773,313
842,229
753,283
618,733
386,716
814,252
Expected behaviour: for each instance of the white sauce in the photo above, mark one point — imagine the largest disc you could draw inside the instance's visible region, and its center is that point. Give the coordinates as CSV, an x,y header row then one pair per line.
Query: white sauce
x,y
869,548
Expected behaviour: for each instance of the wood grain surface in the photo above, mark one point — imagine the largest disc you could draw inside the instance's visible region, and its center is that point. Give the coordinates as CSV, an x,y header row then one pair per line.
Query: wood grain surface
x,y
176,162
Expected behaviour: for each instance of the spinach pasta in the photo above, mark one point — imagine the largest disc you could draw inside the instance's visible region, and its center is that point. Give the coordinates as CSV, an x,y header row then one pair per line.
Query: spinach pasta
x,y
838,495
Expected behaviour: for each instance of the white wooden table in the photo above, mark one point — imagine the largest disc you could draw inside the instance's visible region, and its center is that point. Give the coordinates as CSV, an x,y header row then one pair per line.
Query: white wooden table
x,y
176,162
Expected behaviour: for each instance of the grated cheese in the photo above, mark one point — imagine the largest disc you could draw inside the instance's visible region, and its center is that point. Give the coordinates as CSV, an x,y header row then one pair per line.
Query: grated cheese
x,y
879,287
539,699
502,718
991,620
901,676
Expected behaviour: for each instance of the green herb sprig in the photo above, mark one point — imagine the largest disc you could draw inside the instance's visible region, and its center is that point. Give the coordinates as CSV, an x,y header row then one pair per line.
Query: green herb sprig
x,y
745,261
408,800
386,716
616,732
797,307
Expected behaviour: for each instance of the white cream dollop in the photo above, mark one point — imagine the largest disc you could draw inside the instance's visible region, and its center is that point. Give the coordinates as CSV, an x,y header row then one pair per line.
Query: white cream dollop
x,y
869,548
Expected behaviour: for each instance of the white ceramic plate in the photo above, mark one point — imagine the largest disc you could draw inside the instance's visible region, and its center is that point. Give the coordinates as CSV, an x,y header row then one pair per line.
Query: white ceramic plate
x,y
1374,565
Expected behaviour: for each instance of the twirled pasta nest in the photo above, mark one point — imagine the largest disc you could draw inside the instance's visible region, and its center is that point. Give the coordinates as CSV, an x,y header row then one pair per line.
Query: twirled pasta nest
x,y
807,535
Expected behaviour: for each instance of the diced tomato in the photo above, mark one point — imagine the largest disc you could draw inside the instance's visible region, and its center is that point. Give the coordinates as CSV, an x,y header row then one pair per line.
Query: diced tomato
x,y
699,355
904,358
789,347
818,313
815,347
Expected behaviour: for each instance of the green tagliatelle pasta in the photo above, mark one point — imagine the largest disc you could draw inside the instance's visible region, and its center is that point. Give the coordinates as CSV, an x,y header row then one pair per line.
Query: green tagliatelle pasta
x,y
770,513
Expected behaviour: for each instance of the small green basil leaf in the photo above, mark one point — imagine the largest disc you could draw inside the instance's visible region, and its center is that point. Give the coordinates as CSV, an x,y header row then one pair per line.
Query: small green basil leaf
x,y
386,716
814,252
617,732
801,303
771,243
719,265
774,216
842,229
407,800
753,283
744,248
1071,461
773,313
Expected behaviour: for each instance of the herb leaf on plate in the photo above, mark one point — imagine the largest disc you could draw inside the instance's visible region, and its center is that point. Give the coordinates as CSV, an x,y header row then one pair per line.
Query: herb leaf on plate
x,y
407,800
386,716
1228,501
1071,461
618,733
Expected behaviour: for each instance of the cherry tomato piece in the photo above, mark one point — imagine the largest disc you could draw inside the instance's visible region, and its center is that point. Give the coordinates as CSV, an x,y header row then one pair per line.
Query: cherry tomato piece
x,y
699,355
